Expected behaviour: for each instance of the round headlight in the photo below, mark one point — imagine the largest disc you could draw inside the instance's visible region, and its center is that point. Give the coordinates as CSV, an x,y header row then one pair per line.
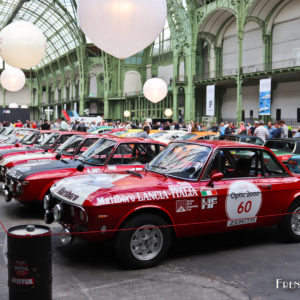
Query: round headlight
x,y
47,202
57,212
19,189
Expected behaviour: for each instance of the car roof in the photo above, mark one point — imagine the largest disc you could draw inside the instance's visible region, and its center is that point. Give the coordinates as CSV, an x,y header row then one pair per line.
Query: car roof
x,y
119,139
242,136
220,144
285,139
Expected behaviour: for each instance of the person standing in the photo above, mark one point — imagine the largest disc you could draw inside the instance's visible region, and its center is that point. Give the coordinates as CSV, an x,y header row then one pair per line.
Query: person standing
x,y
242,128
284,130
261,131
230,129
45,125
63,125
19,124
222,128
145,133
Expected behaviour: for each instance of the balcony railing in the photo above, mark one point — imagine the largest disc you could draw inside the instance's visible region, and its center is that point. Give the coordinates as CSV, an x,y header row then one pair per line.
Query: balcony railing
x,y
277,65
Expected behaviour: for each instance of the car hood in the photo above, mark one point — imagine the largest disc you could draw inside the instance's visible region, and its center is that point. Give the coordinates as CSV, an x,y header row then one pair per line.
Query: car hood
x,y
28,156
19,149
114,189
22,171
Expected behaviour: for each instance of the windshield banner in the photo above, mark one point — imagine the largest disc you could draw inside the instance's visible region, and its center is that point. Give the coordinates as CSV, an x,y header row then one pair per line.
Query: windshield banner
x,y
265,97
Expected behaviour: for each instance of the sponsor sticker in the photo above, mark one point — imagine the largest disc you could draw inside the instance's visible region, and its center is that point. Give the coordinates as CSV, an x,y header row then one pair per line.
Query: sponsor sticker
x,y
183,206
243,203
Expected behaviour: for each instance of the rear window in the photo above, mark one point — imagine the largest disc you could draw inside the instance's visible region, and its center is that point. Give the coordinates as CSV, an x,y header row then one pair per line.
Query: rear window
x,y
286,146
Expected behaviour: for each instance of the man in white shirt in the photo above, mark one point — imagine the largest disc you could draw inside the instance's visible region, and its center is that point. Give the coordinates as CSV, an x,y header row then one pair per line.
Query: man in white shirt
x,y
261,131
63,125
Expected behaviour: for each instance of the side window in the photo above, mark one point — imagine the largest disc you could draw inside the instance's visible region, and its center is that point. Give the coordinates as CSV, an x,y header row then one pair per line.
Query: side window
x,y
87,143
122,155
271,166
236,163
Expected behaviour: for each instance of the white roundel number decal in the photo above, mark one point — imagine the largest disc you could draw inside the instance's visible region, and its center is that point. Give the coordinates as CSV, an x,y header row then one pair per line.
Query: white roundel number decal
x,y
243,202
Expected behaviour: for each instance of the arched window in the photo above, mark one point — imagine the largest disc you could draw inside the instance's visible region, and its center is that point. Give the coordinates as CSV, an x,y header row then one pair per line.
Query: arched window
x,y
163,42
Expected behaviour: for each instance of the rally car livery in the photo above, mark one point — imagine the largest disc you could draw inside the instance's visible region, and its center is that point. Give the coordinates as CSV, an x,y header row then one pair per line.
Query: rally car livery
x,y
27,183
189,189
42,153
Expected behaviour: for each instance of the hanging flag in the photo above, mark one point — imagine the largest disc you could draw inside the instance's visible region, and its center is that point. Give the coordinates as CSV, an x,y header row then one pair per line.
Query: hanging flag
x,y
265,97
210,100
66,115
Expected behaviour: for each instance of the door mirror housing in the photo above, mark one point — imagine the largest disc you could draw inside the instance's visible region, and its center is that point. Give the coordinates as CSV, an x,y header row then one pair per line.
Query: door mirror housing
x,y
216,177
58,156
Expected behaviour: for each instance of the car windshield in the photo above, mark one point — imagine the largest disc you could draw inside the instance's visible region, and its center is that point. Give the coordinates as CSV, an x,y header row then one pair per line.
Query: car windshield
x,y
49,141
69,147
119,133
8,131
29,139
181,160
286,146
98,153
156,135
186,136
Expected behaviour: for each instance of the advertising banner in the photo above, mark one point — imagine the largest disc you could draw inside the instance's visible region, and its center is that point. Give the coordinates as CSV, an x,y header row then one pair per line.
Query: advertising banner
x,y
210,100
265,97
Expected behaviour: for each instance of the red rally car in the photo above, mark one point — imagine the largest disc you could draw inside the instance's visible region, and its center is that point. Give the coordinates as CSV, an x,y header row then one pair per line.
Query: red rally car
x,y
38,154
189,189
33,138
71,148
27,183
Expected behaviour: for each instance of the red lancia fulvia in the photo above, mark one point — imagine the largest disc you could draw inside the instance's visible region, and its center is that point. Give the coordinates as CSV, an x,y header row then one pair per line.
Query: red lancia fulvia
x,y
189,189
32,182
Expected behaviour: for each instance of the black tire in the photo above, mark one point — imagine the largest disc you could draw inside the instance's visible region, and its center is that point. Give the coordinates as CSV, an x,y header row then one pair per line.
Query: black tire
x,y
285,226
129,255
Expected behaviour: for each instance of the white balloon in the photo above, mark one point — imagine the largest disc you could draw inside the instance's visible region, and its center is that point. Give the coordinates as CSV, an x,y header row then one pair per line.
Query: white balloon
x,y
13,105
168,112
13,79
127,113
155,89
24,106
122,28
22,44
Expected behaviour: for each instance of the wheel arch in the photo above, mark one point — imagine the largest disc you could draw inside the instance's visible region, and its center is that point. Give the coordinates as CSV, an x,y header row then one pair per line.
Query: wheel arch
x,y
148,209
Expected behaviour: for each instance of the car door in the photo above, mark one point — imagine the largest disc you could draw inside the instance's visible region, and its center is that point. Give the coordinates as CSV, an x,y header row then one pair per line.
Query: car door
x,y
276,186
237,200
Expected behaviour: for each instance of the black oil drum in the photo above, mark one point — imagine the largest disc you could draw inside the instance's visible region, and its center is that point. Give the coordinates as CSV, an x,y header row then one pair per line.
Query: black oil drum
x,y
29,262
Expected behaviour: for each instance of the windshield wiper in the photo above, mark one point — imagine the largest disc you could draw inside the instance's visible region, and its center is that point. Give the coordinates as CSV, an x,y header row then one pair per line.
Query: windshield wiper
x,y
134,173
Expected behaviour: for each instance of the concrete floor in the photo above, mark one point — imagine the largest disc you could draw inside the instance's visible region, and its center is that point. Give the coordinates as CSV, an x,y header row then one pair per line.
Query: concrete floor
x,y
239,265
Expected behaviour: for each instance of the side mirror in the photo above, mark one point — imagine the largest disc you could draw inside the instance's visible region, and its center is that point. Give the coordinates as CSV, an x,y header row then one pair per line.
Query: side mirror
x,y
80,167
58,156
17,145
215,177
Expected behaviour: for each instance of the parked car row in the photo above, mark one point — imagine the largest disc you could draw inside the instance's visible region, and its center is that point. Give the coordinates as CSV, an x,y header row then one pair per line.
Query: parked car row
x,y
143,193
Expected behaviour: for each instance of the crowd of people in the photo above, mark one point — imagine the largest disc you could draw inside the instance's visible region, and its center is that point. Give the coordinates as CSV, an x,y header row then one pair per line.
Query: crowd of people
x,y
271,130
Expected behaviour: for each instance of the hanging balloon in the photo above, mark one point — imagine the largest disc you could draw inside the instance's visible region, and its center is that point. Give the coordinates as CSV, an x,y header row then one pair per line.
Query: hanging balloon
x,y
13,105
22,44
168,112
155,89
122,28
127,113
13,79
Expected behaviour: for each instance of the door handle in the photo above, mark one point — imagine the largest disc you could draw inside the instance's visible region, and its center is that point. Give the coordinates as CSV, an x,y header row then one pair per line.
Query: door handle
x,y
267,186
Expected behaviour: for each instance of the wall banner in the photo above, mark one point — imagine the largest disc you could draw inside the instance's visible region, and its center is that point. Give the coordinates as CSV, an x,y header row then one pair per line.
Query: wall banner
x,y
210,100
265,97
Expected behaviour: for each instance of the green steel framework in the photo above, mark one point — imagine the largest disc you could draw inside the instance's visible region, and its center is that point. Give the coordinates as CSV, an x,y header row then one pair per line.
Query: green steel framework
x,y
71,59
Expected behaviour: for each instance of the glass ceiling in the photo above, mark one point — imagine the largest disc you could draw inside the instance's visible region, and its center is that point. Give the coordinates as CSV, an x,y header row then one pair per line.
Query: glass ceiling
x,y
58,23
